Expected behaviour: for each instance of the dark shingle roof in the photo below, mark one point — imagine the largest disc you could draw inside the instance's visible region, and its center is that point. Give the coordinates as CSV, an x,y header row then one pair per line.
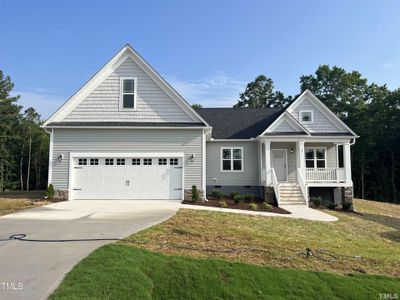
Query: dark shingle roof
x,y
124,124
239,123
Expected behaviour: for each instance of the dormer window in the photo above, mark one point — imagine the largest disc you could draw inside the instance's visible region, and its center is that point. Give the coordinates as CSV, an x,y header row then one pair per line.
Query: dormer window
x,y
306,116
128,93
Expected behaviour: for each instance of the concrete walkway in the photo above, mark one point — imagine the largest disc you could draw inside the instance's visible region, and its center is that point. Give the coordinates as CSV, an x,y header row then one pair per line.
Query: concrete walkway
x,y
297,212
32,270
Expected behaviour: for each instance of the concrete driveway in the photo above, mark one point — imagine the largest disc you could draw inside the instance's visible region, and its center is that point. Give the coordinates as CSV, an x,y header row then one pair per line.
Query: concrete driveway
x,y
32,270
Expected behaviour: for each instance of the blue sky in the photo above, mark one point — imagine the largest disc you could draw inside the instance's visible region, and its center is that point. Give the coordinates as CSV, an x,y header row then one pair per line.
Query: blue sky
x,y
208,50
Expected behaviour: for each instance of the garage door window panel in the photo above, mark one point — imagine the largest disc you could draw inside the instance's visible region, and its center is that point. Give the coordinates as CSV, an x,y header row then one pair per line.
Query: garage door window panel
x,y
120,161
82,161
162,161
147,161
109,161
94,161
135,161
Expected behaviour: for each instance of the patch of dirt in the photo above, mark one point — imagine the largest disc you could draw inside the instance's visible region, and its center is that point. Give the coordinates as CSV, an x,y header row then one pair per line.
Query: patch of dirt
x,y
244,205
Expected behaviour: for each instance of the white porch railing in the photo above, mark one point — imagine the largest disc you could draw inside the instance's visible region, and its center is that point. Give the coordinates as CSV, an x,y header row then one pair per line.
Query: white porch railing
x,y
276,186
303,185
325,174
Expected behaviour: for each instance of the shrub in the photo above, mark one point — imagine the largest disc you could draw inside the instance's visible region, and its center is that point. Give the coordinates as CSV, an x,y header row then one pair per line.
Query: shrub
x,y
50,192
266,205
253,206
217,194
222,204
331,205
237,199
346,205
233,194
249,197
316,200
195,194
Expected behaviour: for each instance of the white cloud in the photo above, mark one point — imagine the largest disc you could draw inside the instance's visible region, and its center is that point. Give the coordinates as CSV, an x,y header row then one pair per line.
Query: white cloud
x,y
45,102
216,90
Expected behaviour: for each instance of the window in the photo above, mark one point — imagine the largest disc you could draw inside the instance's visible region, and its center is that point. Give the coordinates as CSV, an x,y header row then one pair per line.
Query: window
x,y
120,161
109,161
136,161
315,158
173,161
128,93
306,116
94,161
82,161
147,161
231,159
162,161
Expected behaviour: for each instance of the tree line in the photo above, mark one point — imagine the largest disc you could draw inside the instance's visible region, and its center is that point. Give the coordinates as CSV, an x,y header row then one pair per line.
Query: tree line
x,y
371,110
24,145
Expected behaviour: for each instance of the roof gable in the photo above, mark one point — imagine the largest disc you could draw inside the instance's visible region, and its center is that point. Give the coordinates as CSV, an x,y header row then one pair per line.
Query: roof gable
x,y
95,101
285,124
325,121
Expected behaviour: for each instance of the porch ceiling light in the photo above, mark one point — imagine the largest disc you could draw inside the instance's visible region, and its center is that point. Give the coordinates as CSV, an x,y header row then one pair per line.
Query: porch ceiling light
x,y
291,150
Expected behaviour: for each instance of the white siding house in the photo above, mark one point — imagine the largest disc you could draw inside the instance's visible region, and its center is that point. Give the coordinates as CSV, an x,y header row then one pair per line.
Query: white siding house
x,y
127,134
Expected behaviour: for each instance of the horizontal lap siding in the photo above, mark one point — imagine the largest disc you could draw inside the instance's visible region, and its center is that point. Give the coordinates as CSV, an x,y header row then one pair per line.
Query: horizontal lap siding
x,y
250,174
108,140
153,104
320,122
331,154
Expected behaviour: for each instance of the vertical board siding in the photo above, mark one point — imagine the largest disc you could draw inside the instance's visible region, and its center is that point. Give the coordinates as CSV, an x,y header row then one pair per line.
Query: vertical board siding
x,y
153,104
320,122
250,173
127,140
291,158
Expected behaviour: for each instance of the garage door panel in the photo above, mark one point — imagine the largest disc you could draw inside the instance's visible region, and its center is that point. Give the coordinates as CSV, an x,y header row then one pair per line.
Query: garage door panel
x,y
132,180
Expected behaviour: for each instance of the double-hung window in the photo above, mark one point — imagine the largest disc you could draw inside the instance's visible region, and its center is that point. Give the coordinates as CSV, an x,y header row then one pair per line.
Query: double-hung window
x,y
315,158
128,93
231,159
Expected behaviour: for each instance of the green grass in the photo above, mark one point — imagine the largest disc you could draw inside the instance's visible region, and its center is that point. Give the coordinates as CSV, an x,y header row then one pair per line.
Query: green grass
x,y
368,243
122,272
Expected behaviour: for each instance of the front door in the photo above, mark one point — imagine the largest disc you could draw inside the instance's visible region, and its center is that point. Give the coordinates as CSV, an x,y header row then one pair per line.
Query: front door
x,y
279,163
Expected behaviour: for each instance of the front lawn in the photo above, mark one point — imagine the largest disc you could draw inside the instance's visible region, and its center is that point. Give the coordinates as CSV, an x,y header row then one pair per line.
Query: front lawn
x,y
368,243
121,272
14,201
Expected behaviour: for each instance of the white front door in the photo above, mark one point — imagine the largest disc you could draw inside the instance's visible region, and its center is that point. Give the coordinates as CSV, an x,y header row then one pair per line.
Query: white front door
x,y
279,163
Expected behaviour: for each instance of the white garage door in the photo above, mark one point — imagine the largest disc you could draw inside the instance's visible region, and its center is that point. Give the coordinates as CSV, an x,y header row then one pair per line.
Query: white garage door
x,y
127,178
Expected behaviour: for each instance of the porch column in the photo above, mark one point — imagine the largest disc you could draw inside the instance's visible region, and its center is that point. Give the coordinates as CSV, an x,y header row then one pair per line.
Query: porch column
x,y
267,148
347,163
301,161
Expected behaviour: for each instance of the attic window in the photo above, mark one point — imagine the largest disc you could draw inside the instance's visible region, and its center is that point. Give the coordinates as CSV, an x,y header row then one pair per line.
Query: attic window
x,y
128,93
306,116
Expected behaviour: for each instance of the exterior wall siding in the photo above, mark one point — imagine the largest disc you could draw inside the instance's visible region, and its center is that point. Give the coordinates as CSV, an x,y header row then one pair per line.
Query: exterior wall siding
x,y
331,154
153,104
320,123
127,140
285,127
248,177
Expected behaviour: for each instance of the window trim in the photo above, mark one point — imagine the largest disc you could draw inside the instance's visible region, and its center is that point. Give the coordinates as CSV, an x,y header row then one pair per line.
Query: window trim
x,y
314,148
306,111
231,159
121,93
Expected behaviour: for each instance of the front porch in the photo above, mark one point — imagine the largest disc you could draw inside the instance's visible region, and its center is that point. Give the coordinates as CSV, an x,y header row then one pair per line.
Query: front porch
x,y
291,167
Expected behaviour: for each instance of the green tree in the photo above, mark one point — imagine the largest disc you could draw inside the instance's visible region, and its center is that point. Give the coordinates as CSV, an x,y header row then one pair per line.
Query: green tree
x,y
197,105
9,111
260,94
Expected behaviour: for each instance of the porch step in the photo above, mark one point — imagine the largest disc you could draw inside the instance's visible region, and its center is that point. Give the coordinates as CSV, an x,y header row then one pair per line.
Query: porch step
x,y
290,194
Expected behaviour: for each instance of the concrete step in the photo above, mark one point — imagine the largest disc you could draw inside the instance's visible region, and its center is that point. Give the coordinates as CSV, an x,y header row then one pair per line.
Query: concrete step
x,y
291,203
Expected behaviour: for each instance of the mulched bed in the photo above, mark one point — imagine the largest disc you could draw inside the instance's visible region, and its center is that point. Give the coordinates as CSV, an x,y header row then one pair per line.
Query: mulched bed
x,y
244,205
